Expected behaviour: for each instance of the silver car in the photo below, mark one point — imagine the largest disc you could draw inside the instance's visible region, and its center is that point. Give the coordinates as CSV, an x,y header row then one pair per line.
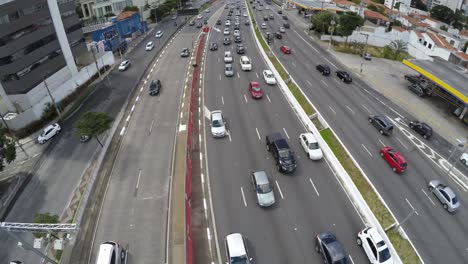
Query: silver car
x,y
263,189
228,70
445,195
218,125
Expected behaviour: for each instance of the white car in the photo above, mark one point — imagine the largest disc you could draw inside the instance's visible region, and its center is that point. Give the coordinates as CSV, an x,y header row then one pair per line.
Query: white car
x,y
374,246
124,65
263,26
269,77
174,17
228,23
464,159
199,16
227,57
267,8
245,63
159,34
217,123
149,46
111,252
236,33
48,133
311,146
226,31
282,30
245,14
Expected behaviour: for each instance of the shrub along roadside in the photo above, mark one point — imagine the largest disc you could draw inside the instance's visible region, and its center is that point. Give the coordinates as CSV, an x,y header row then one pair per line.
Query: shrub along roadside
x,y
401,245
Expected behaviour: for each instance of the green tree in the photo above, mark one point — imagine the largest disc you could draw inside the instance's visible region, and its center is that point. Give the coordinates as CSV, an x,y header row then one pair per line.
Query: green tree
x,y
398,46
93,124
444,28
131,8
7,149
357,2
378,1
442,13
347,23
322,20
418,4
44,218
375,8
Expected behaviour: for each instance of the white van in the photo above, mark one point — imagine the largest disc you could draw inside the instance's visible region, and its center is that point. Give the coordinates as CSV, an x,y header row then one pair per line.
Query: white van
x,y
111,253
236,250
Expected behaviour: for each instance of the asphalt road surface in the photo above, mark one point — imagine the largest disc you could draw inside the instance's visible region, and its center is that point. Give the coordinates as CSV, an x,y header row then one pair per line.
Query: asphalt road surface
x,y
440,237
308,202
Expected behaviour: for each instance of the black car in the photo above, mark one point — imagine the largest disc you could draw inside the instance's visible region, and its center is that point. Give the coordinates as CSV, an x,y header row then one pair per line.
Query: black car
x,y
286,25
323,69
192,23
417,89
330,249
218,22
227,41
185,52
272,17
155,87
205,21
240,49
278,35
236,26
422,128
413,78
344,76
199,25
237,39
282,153
280,12
247,23
383,125
285,17
214,46
265,18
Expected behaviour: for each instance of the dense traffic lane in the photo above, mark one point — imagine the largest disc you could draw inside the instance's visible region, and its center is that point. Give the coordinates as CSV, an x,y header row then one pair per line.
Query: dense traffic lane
x,y
135,207
346,108
284,233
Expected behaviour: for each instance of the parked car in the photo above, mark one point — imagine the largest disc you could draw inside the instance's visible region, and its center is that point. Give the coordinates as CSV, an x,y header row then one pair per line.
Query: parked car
x,y
213,46
149,46
124,65
218,124
263,188
417,89
311,146
323,69
228,57
240,49
344,76
174,17
227,41
245,63
284,157
413,78
285,49
421,128
445,194
48,133
228,70
185,52
464,159
255,90
236,249
366,56
159,34
374,246
394,158
85,138
269,77
330,249
155,87
382,124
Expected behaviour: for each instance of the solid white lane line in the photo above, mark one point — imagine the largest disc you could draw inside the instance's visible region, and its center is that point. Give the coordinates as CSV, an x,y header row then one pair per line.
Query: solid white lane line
x,y
332,109
268,97
222,99
238,76
350,258
128,118
324,83
313,185
257,75
330,63
293,64
411,206
138,180
366,109
133,108
351,110
428,197
308,82
337,81
208,234
310,45
402,143
151,127
141,89
220,77
381,143
243,197
258,134
245,97
279,189
229,135
286,132
366,150
137,98
122,132
219,59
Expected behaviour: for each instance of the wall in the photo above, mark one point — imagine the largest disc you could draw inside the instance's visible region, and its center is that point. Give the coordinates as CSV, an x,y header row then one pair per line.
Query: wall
x,y
378,38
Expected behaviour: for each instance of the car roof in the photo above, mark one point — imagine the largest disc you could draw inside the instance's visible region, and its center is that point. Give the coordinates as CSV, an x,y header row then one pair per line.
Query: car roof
x,y
216,114
124,62
150,43
227,52
449,191
105,253
267,71
261,177
236,246
375,235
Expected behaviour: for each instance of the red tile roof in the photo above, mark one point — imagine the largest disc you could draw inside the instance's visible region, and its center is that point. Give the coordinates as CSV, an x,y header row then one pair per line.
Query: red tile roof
x,y
125,15
462,55
440,41
422,24
419,34
374,15
464,33
344,2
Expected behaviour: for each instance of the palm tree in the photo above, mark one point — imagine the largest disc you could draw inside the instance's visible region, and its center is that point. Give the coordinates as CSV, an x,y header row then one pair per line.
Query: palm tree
x,y
398,46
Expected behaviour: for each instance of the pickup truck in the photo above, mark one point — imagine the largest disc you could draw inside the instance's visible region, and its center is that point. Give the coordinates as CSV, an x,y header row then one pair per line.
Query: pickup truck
x,y
284,157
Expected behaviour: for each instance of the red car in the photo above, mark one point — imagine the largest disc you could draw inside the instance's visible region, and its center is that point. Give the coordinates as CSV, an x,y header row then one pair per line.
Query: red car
x,y
285,49
255,90
394,158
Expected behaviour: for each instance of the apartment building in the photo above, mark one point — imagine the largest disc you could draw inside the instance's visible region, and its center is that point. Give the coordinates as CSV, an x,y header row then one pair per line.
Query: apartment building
x,y
452,4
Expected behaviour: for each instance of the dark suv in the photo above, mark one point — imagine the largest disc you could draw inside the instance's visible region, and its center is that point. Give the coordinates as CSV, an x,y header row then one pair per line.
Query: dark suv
x,y
330,249
383,125
323,69
422,128
284,156
155,87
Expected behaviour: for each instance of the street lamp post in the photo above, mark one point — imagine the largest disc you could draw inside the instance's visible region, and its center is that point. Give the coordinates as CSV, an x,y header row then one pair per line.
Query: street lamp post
x,y
365,51
332,26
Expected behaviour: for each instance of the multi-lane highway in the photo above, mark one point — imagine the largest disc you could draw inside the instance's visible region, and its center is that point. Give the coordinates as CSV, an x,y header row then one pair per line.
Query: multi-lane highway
x,y
439,237
309,201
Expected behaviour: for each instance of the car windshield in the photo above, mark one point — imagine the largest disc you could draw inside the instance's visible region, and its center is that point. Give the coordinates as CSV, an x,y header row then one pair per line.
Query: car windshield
x,y
313,145
256,88
284,153
454,200
228,68
217,123
264,188
269,75
384,255
239,260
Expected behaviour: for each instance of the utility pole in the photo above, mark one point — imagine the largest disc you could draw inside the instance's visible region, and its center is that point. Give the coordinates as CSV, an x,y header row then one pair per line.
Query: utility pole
x,y
332,23
365,51
93,51
52,98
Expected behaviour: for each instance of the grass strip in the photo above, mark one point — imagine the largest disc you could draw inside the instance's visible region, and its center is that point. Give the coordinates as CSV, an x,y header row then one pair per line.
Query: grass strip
x,y
401,245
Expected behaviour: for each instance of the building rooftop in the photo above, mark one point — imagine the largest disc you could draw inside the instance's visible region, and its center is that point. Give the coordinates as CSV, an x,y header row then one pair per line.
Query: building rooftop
x,y
440,41
374,15
317,5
